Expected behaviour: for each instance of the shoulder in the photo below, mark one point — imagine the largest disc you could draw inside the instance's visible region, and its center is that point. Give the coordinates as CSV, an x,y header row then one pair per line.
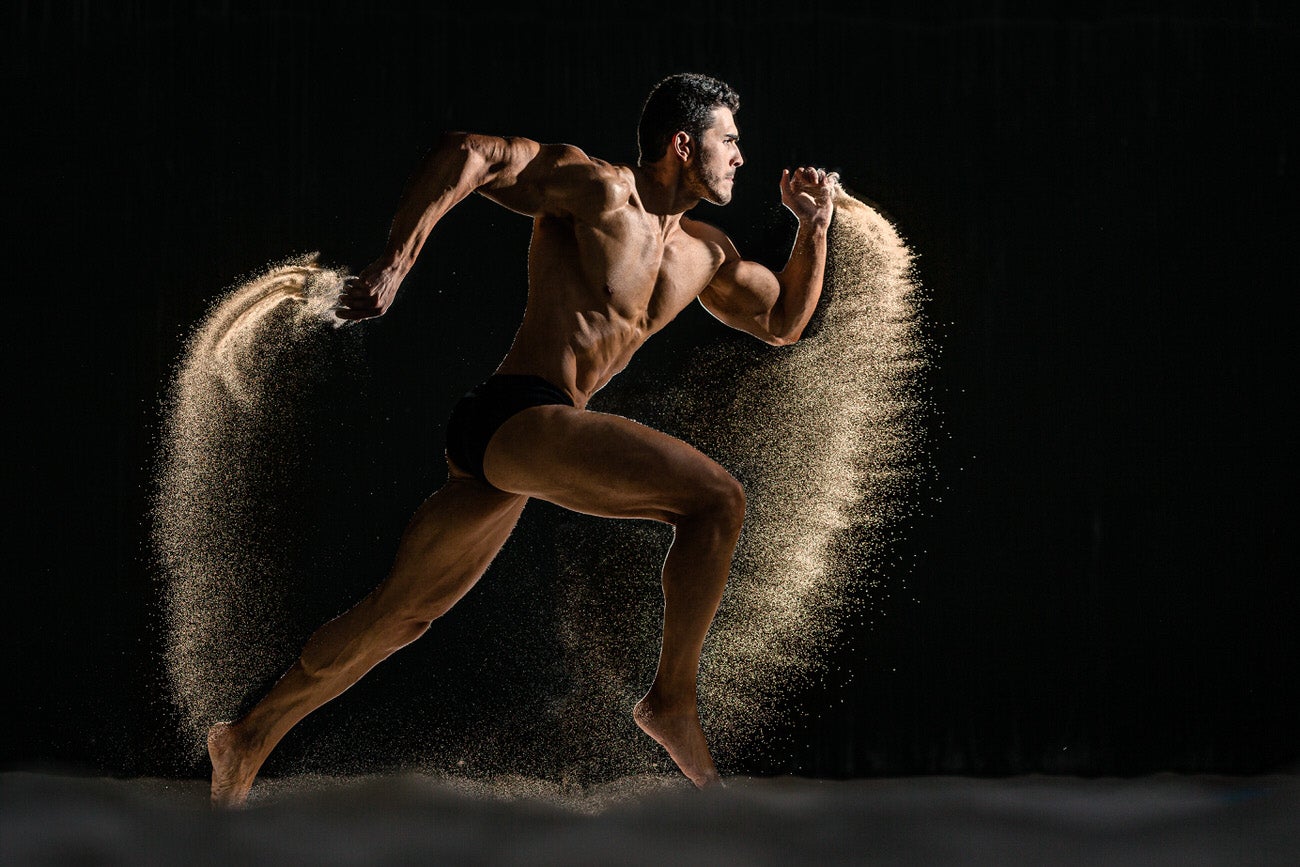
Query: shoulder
x,y
710,235
537,178
584,184
592,170
519,157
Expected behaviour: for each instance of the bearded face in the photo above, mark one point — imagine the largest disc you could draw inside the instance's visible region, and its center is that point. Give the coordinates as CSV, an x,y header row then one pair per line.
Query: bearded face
x,y
713,171
715,182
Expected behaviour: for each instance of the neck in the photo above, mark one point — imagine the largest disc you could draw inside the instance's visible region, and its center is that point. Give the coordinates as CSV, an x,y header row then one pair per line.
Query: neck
x,y
662,193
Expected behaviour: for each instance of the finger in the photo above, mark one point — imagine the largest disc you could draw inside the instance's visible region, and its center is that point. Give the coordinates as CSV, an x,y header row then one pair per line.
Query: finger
x,y
350,313
358,301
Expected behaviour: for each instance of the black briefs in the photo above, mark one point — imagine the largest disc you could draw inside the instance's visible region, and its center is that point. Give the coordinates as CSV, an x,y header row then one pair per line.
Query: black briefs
x,y
478,414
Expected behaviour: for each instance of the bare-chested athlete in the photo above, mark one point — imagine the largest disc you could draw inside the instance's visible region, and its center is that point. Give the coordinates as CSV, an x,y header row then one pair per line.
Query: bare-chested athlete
x,y
611,262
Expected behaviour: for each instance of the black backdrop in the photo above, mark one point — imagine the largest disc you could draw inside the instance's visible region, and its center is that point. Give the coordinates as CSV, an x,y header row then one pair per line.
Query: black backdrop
x,y
1102,202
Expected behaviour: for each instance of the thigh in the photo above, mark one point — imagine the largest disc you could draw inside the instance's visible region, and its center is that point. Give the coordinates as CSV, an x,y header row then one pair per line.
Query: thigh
x,y
449,542
601,464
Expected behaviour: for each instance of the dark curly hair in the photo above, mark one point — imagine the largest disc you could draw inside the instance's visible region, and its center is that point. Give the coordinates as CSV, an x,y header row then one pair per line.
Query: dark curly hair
x,y
681,102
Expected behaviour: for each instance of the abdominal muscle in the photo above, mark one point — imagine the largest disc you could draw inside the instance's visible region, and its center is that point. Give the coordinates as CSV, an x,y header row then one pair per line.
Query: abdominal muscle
x,y
598,292
579,351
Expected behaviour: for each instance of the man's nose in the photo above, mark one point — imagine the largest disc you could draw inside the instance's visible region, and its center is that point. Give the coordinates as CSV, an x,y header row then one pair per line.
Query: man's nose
x,y
738,160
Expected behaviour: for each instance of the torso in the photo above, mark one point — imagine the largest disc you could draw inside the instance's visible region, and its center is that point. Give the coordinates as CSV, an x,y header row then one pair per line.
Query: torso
x,y
599,288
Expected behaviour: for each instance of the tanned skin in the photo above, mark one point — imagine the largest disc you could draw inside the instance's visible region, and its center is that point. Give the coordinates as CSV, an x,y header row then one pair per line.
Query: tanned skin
x,y
611,262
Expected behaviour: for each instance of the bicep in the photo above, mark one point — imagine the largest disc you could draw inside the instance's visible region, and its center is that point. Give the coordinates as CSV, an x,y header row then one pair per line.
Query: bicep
x,y
738,287
742,295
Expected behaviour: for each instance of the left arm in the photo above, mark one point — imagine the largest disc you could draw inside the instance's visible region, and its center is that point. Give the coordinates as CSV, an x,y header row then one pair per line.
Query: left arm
x,y
775,307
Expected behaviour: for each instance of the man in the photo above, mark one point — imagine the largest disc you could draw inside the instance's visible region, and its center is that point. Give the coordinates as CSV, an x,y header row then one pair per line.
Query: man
x,y
612,260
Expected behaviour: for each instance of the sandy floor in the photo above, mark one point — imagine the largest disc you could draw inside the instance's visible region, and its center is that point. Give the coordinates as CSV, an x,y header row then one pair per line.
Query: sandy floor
x,y
1164,819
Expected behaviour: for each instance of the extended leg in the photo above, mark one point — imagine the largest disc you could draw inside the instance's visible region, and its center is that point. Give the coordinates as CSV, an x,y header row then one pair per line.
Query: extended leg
x,y
694,575
447,546
610,466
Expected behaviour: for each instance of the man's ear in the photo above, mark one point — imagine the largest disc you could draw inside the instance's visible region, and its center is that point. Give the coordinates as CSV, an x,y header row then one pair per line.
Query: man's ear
x,y
683,146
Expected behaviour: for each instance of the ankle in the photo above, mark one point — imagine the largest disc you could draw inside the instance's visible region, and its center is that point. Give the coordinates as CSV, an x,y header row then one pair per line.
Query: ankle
x,y
663,702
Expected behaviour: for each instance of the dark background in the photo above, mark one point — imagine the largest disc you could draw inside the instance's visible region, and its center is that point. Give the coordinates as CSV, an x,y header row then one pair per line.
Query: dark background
x,y
1101,197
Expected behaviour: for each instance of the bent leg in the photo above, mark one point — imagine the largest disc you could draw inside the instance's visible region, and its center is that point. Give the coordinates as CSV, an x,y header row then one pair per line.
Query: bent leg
x,y
611,466
446,547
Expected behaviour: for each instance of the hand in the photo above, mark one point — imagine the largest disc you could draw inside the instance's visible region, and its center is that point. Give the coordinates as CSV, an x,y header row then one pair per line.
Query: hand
x,y
809,193
369,293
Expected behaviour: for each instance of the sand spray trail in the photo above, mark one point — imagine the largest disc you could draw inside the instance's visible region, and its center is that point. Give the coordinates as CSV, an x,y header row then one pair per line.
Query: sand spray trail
x,y
229,494
828,436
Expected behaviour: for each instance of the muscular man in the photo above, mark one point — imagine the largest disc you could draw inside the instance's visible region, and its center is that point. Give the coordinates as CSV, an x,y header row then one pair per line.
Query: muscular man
x,y
611,261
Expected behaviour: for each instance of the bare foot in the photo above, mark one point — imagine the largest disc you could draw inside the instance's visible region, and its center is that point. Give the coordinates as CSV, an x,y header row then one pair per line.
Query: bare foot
x,y
680,734
233,766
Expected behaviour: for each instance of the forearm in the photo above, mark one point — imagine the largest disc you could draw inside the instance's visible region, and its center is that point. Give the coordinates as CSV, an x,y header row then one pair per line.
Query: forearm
x,y
800,282
460,164
452,170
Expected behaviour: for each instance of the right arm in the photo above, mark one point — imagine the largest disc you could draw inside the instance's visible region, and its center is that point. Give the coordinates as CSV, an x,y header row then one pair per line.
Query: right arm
x,y
518,173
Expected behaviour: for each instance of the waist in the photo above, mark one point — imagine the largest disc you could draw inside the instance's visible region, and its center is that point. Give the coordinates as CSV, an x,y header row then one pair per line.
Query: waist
x,y
517,382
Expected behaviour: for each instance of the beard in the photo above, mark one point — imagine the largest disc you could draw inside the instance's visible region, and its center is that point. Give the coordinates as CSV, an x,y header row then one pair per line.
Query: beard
x,y
712,185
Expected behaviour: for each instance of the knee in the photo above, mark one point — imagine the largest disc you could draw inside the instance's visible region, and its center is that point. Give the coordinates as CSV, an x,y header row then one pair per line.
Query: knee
x,y
721,503
731,500
362,637
402,626
395,627
403,616
403,631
